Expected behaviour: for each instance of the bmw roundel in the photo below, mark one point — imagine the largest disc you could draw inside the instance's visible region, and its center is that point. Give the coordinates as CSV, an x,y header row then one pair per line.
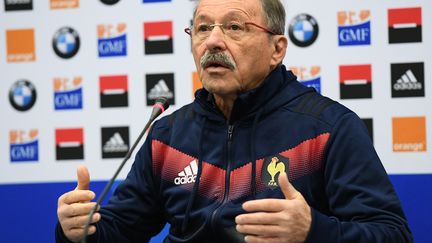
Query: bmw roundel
x,y
22,95
303,30
66,42
110,2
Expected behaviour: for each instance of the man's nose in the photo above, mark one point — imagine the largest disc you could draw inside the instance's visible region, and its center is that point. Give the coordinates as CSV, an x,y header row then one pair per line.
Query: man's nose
x,y
216,39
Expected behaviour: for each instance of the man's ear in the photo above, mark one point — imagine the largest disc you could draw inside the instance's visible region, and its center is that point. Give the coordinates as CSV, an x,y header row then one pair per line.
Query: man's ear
x,y
280,43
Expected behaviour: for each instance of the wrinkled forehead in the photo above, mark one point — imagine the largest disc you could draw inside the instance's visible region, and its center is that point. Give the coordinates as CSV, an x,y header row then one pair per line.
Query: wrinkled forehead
x,y
223,9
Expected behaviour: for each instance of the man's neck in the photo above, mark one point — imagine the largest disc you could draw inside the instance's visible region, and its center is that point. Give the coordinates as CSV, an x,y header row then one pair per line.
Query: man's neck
x,y
225,104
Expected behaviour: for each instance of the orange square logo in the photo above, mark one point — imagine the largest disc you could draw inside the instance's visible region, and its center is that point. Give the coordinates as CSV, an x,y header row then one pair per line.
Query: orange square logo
x,y
62,4
196,83
409,134
20,45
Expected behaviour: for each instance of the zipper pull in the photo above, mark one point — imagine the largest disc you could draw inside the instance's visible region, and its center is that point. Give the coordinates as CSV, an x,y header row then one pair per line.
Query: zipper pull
x,y
230,131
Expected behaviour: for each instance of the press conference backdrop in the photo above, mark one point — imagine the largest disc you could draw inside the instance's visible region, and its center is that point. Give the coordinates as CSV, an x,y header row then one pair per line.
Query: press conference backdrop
x,y
78,79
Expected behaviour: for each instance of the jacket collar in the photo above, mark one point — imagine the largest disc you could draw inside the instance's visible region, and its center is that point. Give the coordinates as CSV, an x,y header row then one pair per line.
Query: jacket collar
x,y
267,95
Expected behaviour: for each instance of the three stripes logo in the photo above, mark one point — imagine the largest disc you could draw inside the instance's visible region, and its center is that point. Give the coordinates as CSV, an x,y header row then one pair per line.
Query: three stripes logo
x,y
407,79
159,85
115,142
188,174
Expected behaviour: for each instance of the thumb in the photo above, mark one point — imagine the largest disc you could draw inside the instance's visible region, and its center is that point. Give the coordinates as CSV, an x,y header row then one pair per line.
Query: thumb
x,y
83,178
287,188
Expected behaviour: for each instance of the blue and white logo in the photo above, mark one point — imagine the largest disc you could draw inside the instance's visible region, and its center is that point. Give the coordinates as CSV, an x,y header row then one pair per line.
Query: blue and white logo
x,y
66,42
354,28
22,95
24,145
112,40
68,93
303,30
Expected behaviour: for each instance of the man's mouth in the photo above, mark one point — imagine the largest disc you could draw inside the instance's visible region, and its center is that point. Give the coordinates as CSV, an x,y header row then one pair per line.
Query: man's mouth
x,y
216,64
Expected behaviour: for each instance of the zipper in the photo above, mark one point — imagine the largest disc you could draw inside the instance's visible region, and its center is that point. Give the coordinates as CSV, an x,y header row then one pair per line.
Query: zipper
x,y
227,176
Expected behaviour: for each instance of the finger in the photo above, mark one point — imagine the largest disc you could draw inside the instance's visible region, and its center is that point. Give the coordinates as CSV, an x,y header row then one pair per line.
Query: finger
x,y
78,209
77,233
287,188
80,221
257,218
83,178
77,196
259,230
258,239
267,205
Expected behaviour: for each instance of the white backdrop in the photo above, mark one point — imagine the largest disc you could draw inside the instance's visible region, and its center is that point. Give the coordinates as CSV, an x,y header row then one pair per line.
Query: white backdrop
x,y
86,64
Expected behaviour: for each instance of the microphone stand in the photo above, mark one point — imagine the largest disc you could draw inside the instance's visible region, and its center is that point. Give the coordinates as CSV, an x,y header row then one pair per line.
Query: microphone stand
x,y
160,106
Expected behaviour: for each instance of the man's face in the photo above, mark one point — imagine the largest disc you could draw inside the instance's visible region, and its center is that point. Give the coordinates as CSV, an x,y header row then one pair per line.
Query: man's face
x,y
241,63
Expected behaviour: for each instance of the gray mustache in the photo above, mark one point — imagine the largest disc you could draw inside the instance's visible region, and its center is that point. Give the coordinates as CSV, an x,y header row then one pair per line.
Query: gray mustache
x,y
218,57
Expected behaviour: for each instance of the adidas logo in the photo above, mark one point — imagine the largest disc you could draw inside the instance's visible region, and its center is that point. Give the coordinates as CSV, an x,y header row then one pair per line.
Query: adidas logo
x,y
407,82
115,144
159,90
188,174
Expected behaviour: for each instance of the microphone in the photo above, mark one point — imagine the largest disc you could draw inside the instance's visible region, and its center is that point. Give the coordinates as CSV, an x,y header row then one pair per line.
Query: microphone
x,y
161,104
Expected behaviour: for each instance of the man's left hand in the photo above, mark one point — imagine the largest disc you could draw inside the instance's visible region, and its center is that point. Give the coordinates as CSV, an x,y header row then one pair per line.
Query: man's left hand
x,y
276,220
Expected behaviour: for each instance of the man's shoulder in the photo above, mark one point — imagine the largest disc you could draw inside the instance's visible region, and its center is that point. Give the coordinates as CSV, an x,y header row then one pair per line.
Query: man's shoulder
x,y
319,107
184,113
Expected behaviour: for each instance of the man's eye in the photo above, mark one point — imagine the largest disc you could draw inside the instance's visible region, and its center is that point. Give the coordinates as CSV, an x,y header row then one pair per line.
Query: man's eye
x,y
235,27
203,28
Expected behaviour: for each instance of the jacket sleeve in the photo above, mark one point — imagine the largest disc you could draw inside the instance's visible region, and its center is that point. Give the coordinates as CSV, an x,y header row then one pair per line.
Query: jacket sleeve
x,y
134,212
363,205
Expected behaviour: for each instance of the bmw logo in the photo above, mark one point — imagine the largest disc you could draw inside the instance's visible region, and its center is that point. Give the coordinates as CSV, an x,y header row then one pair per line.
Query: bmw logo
x,y
66,42
110,2
303,30
22,95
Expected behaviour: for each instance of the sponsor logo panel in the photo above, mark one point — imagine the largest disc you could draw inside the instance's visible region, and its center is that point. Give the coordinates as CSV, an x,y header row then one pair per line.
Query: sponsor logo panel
x,y
66,42
69,143
355,81
22,95
14,5
110,2
409,134
308,76
112,40
303,30
24,145
405,25
68,93
354,28
115,142
407,79
64,4
196,83
20,45
369,125
158,37
155,1
113,91
160,85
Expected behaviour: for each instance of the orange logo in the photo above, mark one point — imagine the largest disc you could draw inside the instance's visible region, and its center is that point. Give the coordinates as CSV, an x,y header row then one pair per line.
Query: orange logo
x,y
61,4
20,45
409,134
20,136
196,83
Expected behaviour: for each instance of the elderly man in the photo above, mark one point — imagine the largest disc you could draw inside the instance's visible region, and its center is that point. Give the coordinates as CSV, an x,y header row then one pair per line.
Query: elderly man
x,y
257,157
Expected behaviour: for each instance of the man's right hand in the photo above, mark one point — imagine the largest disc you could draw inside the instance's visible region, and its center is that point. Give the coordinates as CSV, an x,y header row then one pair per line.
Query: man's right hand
x,y
74,206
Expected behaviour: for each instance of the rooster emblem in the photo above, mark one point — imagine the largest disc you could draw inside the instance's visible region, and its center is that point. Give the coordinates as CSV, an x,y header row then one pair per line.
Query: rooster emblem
x,y
274,167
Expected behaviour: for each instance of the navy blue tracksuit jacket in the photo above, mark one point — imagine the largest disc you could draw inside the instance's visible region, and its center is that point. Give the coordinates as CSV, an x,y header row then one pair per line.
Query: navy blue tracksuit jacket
x,y
196,168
